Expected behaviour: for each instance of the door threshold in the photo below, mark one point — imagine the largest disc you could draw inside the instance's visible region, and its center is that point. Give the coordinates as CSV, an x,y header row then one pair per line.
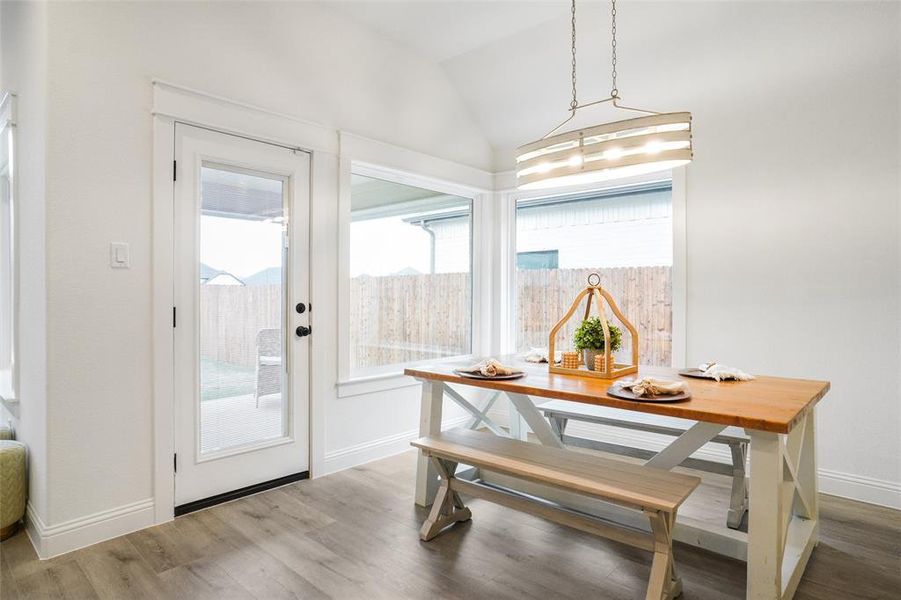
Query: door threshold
x,y
256,488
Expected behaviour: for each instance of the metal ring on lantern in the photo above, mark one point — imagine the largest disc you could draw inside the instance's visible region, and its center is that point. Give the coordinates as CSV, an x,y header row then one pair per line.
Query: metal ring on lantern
x,y
598,280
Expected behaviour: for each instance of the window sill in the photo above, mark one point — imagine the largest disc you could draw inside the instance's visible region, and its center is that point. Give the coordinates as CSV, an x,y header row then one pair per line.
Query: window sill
x,y
374,383
389,380
7,394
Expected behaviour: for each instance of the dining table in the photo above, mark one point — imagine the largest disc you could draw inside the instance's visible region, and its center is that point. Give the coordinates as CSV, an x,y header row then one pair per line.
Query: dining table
x,y
777,413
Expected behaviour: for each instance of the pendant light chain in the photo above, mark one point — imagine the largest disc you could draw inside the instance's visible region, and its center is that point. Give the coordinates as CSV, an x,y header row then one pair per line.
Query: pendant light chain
x,y
614,93
575,103
623,148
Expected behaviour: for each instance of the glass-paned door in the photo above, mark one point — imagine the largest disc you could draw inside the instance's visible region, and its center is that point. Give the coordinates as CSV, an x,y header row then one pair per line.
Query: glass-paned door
x,y
242,373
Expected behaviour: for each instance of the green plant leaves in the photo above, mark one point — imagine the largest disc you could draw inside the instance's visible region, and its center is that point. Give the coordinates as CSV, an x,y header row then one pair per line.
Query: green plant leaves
x,y
590,335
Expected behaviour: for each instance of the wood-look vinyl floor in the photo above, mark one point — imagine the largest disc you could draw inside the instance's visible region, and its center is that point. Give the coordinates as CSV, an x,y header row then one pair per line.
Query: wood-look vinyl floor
x,y
355,535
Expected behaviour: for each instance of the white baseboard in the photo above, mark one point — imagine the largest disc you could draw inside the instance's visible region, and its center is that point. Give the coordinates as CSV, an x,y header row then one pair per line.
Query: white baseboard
x,y
835,483
857,487
353,456
53,540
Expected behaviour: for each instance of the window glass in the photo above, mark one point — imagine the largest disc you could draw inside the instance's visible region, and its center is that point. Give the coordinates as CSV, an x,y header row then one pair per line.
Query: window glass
x,y
241,308
410,275
7,254
625,235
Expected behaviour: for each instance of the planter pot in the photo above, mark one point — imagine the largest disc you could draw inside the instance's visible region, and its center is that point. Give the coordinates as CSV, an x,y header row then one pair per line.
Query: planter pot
x,y
589,355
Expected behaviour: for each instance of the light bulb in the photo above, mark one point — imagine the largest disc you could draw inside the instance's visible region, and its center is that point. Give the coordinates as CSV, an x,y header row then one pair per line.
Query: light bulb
x,y
575,160
613,153
653,147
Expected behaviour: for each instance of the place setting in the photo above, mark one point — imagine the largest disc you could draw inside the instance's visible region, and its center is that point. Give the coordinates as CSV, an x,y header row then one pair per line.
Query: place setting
x,y
490,369
650,389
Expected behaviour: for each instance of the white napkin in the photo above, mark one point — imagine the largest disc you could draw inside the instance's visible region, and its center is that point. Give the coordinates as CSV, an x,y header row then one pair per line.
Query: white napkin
x,y
539,355
491,368
653,386
722,372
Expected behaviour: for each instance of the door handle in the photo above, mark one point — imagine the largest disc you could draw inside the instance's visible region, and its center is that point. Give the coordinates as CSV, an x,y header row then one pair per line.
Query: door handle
x,y
303,331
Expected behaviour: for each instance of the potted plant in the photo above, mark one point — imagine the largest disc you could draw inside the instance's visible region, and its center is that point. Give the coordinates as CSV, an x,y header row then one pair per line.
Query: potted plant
x,y
589,338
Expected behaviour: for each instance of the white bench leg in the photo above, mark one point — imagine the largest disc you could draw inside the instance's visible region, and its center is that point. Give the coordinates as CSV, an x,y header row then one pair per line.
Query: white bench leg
x,y
448,507
558,424
738,504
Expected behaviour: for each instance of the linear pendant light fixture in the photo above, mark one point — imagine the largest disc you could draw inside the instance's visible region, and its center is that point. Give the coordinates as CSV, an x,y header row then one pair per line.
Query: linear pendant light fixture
x,y
656,142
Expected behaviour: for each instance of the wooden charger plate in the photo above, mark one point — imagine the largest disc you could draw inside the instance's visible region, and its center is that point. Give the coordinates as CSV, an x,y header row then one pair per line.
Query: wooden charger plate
x,y
624,394
480,376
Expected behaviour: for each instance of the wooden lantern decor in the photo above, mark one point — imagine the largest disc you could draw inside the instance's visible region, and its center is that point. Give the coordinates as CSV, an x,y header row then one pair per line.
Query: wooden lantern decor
x,y
605,366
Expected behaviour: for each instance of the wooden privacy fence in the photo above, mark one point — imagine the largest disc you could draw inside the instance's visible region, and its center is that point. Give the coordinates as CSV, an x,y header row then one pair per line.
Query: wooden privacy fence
x,y
232,315
404,318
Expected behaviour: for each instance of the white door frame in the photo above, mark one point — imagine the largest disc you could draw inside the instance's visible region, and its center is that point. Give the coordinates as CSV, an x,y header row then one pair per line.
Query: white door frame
x,y
173,104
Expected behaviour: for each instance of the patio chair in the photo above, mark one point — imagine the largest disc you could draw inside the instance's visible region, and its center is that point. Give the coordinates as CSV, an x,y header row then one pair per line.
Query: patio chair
x,y
269,363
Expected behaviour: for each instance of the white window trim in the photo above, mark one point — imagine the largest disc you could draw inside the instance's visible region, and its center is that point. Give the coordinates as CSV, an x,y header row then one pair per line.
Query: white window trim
x,y
9,377
506,228
391,376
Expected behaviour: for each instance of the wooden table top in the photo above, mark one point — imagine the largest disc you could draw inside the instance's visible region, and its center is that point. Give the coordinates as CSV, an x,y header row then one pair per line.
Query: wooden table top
x,y
772,404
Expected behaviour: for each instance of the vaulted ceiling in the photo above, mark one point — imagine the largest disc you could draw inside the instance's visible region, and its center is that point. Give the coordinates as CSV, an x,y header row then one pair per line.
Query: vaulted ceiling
x,y
510,60
443,30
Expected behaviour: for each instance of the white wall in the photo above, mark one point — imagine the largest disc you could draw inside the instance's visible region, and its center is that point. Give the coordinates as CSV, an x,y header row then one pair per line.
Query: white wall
x,y
23,39
101,59
792,199
817,241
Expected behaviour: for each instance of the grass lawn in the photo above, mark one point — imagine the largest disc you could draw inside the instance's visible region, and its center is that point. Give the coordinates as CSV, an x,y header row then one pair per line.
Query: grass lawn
x,y
224,380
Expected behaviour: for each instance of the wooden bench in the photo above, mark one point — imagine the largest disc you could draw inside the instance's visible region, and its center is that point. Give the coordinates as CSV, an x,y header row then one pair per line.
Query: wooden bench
x,y
560,412
655,492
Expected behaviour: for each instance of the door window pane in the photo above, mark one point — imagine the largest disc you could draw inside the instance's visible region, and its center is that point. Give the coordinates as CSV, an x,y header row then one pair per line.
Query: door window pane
x,y
624,235
242,298
6,274
8,290
410,270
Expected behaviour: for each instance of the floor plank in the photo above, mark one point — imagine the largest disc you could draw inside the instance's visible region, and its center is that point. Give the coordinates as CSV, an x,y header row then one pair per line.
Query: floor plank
x,y
62,581
9,589
354,535
116,570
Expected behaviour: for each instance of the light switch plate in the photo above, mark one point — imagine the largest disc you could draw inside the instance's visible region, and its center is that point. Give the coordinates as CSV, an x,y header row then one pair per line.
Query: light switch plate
x,y
118,255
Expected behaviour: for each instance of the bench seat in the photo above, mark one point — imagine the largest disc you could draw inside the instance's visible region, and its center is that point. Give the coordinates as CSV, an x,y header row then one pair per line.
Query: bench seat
x,y
607,479
560,412
655,492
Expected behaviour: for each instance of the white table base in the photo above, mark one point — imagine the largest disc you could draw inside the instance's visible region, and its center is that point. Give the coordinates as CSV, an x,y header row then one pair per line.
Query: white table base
x,y
783,514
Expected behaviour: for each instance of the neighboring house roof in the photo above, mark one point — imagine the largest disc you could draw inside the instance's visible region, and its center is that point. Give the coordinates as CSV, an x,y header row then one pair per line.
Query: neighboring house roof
x,y
223,278
207,271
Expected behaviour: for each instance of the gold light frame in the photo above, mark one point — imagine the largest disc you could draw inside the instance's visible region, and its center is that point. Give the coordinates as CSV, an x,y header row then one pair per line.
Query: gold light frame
x,y
629,147
656,142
